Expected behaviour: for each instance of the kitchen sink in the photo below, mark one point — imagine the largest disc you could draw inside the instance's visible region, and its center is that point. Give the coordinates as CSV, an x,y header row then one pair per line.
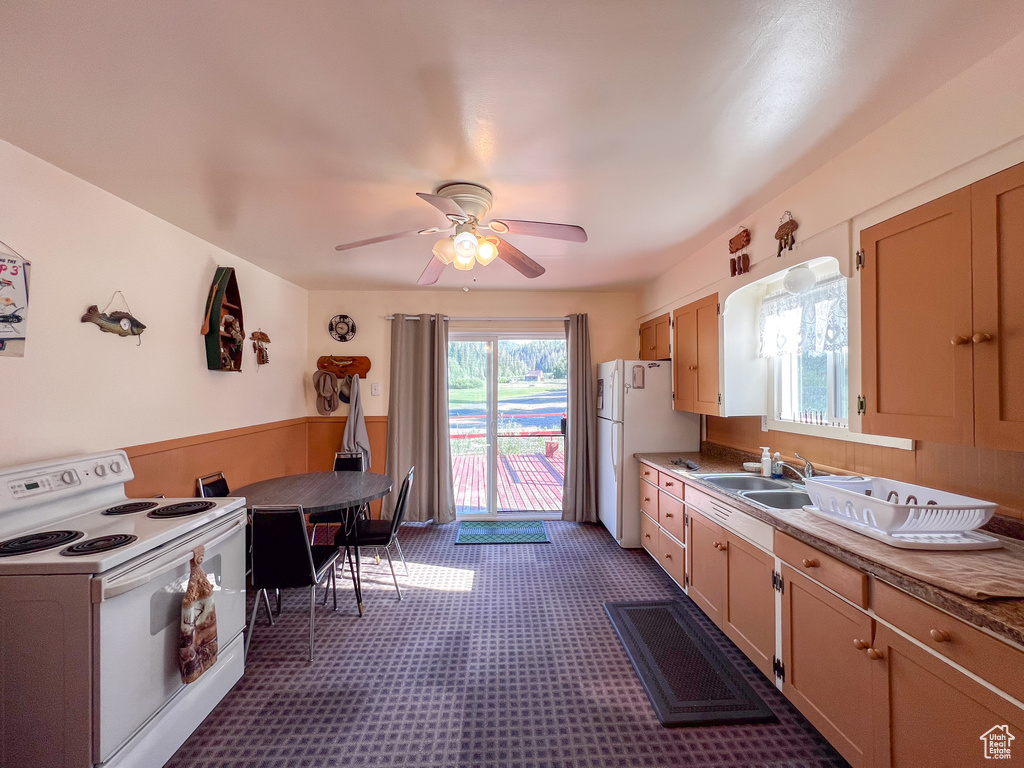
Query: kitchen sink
x,y
745,482
787,499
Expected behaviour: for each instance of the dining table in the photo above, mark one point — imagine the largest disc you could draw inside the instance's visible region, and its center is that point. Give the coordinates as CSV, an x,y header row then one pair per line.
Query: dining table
x,y
343,492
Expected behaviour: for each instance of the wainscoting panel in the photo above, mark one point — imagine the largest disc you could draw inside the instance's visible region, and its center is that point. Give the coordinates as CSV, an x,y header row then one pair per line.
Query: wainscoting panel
x,y
247,455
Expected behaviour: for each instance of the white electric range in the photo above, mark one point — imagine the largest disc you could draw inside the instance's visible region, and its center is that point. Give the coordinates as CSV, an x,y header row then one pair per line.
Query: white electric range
x,y
91,584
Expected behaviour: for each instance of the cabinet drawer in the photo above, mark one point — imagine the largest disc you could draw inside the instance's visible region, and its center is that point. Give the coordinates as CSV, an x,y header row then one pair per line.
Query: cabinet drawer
x,y
670,515
648,473
982,654
671,483
649,535
649,500
839,577
672,556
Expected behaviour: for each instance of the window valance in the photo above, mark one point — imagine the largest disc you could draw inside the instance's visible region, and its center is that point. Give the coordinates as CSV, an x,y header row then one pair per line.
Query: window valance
x,y
814,321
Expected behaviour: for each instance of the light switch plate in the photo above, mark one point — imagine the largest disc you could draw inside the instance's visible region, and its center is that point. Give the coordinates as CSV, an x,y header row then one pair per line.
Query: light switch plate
x,y
375,388
764,423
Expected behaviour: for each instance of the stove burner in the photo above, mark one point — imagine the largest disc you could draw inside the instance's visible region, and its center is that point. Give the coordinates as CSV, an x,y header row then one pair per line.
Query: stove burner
x,y
130,507
99,544
37,542
183,509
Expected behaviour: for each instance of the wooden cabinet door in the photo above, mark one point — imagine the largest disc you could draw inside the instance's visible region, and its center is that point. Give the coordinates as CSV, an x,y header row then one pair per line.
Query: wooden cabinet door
x,y
648,341
827,677
997,228
749,615
684,358
928,713
708,565
649,500
663,337
706,394
695,356
916,323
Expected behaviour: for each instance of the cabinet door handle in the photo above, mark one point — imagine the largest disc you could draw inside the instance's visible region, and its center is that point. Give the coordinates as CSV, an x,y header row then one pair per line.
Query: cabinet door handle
x,y
669,483
715,544
691,367
646,473
981,338
647,535
860,645
669,514
646,498
668,556
874,654
811,563
940,636
957,341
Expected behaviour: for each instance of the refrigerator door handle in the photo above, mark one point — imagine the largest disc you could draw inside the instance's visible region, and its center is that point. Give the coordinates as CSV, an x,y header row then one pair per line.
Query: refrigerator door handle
x,y
616,428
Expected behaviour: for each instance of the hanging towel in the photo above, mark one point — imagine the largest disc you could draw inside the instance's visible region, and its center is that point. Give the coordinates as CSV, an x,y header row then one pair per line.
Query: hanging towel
x,y
355,437
197,648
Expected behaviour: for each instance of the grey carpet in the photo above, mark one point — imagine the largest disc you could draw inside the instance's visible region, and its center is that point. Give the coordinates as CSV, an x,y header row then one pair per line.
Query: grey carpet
x,y
498,656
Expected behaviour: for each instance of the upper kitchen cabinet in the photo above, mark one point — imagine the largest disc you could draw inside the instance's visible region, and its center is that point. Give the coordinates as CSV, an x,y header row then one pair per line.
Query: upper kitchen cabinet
x,y
695,368
997,344
942,333
656,338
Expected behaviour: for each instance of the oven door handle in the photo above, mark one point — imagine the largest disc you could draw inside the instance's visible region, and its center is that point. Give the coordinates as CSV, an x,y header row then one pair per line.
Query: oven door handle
x,y
106,588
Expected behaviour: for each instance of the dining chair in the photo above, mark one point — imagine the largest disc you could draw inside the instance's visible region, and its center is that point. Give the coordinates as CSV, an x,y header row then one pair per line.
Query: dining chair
x,y
344,461
213,486
376,533
283,558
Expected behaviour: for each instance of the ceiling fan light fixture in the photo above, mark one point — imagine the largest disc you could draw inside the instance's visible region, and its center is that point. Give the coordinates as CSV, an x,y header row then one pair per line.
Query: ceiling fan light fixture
x,y
488,251
444,250
466,245
464,264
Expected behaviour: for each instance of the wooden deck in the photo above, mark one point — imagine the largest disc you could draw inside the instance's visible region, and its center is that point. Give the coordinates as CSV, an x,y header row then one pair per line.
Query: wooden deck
x,y
528,482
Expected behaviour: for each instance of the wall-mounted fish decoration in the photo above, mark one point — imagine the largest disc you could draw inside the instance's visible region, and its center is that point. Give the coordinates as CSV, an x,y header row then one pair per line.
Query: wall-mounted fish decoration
x,y
121,323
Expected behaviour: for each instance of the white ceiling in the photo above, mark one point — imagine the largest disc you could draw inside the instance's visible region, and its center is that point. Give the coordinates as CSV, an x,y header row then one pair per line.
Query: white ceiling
x,y
277,129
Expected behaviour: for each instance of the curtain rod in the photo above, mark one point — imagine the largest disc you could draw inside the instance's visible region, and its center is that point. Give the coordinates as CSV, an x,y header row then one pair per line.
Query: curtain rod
x,y
490,319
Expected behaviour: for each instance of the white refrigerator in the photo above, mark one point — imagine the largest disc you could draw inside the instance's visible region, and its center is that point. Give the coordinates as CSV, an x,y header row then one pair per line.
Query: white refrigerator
x,y
634,415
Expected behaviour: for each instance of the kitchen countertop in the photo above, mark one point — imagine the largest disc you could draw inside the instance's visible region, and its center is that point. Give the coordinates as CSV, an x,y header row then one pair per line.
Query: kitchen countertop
x,y
1002,616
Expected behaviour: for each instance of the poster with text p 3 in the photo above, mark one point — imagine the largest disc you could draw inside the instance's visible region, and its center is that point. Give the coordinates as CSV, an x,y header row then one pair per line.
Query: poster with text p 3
x,y
13,305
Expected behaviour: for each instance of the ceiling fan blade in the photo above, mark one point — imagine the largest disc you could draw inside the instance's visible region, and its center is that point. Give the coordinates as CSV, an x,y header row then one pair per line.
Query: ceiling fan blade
x,y
431,272
539,229
443,204
518,260
385,238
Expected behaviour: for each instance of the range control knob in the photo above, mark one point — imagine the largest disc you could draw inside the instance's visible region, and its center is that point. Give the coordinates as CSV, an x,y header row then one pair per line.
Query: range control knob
x,y
67,477
115,467
100,470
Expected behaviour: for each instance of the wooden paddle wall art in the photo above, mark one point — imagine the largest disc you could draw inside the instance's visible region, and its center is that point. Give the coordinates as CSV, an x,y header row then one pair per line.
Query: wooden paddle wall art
x,y
344,365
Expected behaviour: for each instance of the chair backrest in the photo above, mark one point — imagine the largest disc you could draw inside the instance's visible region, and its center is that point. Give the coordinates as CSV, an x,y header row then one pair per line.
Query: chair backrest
x,y
345,461
281,557
213,486
403,502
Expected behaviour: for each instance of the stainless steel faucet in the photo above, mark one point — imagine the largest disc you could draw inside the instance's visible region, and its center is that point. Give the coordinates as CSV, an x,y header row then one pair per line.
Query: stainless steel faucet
x,y
808,470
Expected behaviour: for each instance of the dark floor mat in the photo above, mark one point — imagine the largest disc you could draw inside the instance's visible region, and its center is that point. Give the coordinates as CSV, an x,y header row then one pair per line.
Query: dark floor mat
x,y
687,678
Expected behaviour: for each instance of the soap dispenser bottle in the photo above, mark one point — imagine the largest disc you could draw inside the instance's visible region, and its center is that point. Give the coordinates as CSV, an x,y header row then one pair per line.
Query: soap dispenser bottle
x,y
766,462
776,466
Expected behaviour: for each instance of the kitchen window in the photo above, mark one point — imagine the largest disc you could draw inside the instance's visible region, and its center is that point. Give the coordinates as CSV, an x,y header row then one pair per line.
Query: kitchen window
x,y
805,338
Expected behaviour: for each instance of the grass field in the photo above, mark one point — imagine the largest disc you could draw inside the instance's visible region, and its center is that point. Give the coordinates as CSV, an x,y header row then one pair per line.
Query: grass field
x,y
465,396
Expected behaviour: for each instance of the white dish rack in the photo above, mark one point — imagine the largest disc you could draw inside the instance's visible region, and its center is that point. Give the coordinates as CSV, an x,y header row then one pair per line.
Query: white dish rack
x,y
902,514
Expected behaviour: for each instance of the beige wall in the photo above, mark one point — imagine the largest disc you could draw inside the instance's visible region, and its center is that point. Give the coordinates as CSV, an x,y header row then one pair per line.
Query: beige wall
x,y
613,330
78,389
969,128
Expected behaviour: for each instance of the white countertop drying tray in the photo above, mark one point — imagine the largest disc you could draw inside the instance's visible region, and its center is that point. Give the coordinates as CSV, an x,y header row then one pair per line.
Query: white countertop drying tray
x,y
902,514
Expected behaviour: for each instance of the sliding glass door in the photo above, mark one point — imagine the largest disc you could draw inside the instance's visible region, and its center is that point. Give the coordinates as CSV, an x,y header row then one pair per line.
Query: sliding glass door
x,y
507,399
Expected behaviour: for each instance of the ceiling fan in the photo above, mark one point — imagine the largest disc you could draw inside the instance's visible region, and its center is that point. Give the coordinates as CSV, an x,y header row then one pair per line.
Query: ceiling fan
x,y
466,204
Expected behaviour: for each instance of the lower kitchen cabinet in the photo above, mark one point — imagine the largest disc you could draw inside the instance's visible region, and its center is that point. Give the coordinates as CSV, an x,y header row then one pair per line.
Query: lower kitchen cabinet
x,y
748,616
929,714
708,565
827,670
649,532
